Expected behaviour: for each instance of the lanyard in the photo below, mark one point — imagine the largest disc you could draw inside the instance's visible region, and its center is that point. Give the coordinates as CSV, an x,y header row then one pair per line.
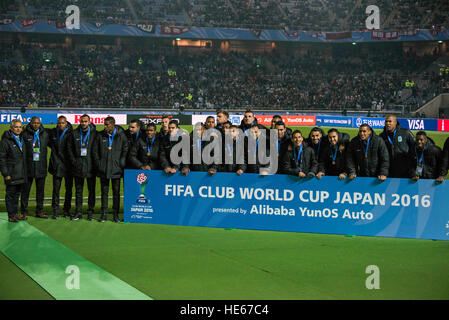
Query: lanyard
x,y
111,137
198,144
150,145
20,143
394,135
84,139
137,135
367,146
334,154
229,147
420,159
60,137
257,144
318,150
299,155
36,138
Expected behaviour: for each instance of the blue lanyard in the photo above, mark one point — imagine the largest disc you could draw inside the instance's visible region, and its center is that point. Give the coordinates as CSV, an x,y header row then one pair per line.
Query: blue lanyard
x,y
137,135
60,137
111,137
20,143
334,154
257,144
150,145
367,146
299,155
318,150
198,144
36,138
279,143
84,139
420,159
394,135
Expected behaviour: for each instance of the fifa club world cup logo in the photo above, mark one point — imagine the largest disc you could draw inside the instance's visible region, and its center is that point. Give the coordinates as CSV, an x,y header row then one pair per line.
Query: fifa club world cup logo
x,y
142,179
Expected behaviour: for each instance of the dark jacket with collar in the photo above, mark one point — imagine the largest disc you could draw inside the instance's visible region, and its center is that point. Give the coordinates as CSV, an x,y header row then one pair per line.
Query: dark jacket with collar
x,y
166,146
60,165
327,164
377,163
307,162
12,159
110,163
431,165
82,166
398,149
36,169
138,155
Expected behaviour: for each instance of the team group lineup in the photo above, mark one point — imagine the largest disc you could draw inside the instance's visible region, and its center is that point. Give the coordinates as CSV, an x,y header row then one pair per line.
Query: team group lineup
x,y
80,155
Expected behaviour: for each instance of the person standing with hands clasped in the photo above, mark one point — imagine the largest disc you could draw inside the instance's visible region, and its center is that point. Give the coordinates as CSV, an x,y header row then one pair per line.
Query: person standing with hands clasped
x,y
13,168
110,154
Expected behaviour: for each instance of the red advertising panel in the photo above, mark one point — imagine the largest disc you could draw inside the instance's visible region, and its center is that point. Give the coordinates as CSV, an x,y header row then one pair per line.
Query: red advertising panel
x,y
290,120
443,125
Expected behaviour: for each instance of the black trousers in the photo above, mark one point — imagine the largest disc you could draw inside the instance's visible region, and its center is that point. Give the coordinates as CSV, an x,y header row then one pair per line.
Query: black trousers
x,y
79,186
40,185
12,198
57,181
115,195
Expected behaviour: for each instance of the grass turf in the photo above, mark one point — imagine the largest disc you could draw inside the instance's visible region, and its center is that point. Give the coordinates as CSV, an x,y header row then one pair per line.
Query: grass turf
x,y
171,262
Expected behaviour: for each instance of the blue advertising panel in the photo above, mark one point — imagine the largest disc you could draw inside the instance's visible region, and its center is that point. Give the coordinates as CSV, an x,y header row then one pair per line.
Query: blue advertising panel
x,y
332,121
365,206
375,123
419,124
46,118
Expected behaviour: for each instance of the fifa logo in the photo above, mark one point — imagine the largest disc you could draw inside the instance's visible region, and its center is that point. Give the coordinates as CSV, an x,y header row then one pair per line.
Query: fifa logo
x,y
142,179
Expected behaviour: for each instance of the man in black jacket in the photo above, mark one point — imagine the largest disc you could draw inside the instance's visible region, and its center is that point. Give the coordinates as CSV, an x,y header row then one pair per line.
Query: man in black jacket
x,y
425,159
298,159
36,142
110,152
249,121
145,153
444,166
233,151
367,155
399,142
317,140
333,157
134,133
170,141
60,166
13,168
80,151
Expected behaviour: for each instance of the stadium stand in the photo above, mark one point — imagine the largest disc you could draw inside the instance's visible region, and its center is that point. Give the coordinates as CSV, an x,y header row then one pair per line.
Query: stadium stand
x,y
349,78
316,15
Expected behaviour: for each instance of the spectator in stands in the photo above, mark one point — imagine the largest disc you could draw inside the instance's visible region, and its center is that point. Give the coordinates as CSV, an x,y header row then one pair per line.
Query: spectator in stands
x,y
367,155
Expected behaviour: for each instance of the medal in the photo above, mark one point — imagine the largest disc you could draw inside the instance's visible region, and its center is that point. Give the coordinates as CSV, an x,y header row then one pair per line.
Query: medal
x,y
148,154
110,148
333,163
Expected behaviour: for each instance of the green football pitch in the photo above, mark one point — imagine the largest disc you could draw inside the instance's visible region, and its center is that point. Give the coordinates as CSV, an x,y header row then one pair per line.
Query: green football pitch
x,y
174,262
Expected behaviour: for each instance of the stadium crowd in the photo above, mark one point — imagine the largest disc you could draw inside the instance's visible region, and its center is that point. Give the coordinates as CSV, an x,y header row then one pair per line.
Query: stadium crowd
x,y
311,15
82,154
210,79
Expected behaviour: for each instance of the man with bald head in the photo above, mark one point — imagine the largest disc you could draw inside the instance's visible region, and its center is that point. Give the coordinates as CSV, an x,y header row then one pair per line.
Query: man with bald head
x,y
399,142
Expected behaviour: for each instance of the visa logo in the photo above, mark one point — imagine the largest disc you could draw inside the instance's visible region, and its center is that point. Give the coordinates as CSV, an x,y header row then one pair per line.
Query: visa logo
x,y
415,124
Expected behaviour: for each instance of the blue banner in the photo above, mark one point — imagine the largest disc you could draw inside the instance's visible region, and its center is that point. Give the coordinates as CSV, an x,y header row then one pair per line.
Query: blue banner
x,y
46,118
419,124
332,121
147,30
375,123
365,206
